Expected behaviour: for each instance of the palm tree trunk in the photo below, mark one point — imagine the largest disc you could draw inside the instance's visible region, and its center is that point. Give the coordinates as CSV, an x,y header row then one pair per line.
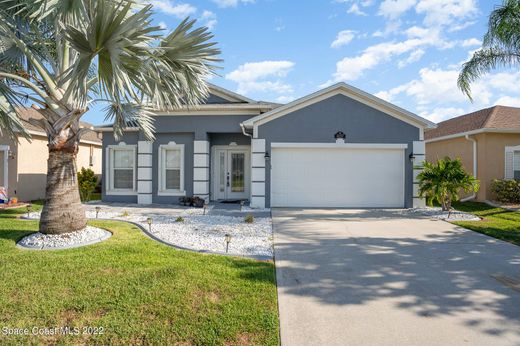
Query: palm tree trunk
x,y
63,211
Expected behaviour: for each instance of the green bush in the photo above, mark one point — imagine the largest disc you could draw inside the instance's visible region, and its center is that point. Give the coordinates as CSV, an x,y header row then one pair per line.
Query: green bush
x,y
87,182
507,191
249,218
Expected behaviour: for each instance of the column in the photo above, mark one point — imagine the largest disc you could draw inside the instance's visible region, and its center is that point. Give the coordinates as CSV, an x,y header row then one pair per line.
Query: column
x,y
419,153
201,169
257,173
144,172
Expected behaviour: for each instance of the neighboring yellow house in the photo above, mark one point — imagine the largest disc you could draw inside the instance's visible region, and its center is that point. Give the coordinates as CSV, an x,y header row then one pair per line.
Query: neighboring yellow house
x,y
23,165
487,142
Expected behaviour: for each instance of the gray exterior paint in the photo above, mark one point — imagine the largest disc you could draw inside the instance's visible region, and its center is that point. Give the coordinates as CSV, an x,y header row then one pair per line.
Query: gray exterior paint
x,y
218,130
214,99
319,122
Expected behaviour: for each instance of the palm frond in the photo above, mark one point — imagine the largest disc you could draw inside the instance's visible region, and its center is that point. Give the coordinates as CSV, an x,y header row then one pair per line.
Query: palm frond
x,y
124,115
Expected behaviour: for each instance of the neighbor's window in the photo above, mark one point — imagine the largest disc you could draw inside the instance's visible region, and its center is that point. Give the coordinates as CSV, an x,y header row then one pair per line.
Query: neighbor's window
x,y
516,165
171,167
122,168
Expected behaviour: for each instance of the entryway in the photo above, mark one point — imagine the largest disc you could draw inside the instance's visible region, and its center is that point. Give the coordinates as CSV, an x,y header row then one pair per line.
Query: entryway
x,y
231,172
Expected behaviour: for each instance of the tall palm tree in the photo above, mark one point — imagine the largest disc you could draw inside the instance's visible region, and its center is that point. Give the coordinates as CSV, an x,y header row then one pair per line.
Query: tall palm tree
x,y
62,56
501,45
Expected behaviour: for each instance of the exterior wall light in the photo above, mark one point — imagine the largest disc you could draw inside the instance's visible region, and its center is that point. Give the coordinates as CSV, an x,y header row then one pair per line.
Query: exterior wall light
x,y
411,157
267,156
340,135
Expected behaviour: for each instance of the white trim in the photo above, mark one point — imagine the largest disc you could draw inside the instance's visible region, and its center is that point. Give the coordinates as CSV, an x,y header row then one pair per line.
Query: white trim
x,y
212,111
5,149
144,199
349,91
473,132
110,190
161,190
512,149
340,145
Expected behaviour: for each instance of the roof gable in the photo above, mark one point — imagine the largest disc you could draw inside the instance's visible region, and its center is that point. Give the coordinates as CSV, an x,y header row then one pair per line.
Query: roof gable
x,y
228,95
348,91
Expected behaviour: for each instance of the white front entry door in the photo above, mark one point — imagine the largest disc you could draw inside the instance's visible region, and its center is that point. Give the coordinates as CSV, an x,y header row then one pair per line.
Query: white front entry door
x,y
231,173
337,177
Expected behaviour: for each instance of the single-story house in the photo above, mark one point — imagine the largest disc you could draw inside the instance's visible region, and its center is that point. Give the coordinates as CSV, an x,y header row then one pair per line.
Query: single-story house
x,y
338,147
23,164
487,141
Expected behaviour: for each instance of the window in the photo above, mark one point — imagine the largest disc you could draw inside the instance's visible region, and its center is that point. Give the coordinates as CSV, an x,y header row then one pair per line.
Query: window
x,y
516,165
171,170
121,172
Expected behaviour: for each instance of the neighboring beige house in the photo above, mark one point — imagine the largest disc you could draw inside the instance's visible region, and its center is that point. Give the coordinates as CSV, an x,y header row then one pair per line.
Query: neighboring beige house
x,y
23,165
487,142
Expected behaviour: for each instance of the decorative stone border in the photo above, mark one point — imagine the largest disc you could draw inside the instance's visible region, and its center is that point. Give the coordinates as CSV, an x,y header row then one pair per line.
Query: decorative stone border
x,y
105,236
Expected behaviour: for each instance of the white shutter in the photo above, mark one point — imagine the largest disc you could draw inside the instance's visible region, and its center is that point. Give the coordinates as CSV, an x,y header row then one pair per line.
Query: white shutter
x,y
509,173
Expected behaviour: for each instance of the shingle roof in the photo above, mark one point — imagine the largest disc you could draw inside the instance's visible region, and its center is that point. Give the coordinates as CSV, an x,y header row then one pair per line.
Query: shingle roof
x,y
497,117
27,113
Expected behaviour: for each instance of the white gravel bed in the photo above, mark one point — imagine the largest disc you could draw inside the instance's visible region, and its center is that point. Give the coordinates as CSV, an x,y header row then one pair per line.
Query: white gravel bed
x,y
202,232
87,236
207,233
437,213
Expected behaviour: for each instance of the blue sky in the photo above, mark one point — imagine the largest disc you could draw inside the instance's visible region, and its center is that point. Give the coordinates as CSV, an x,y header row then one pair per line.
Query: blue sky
x,y
408,52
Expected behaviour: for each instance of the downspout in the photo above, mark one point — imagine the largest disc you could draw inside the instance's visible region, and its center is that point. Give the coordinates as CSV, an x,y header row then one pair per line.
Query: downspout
x,y
244,131
474,195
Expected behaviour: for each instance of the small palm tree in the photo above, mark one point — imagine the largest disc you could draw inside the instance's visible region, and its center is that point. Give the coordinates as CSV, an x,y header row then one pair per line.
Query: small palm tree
x,y
62,56
442,181
501,45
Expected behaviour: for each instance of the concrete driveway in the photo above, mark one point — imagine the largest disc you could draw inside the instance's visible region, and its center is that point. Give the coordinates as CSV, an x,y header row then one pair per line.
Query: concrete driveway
x,y
371,277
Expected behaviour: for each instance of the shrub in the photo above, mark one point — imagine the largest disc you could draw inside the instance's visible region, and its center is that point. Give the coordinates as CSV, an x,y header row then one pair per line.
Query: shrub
x,y
507,191
87,182
179,219
249,218
442,181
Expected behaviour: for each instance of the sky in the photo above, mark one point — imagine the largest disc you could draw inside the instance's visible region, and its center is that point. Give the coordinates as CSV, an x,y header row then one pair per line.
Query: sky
x,y
408,52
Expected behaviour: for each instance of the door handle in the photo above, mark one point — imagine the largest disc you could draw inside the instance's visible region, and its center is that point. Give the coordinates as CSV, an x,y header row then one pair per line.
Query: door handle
x,y
227,179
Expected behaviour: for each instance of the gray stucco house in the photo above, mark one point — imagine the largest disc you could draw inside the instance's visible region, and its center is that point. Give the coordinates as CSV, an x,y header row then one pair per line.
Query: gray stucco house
x,y
338,147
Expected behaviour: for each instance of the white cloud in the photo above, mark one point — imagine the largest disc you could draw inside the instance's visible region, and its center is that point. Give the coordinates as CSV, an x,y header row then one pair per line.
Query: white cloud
x,y
395,8
343,38
446,12
169,7
414,56
285,99
470,42
264,76
232,3
508,101
354,9
163,25
210,19
442,113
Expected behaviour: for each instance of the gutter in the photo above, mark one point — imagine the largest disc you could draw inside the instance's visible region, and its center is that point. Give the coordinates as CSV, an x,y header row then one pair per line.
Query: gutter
x,y
244,131
475,166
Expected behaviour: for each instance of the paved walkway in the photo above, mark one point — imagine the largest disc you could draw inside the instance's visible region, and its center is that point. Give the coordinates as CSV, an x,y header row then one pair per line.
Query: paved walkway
x,y
359,277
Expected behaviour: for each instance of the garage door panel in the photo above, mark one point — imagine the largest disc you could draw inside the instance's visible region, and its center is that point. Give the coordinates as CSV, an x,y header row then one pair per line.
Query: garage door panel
x,y
328,177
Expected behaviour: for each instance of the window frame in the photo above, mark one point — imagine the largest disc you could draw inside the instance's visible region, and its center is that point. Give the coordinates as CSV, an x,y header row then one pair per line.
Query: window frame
x,y
161,181
515,151
110,190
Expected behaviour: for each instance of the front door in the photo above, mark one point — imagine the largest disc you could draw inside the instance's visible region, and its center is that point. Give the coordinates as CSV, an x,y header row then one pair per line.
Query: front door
x,y
231,173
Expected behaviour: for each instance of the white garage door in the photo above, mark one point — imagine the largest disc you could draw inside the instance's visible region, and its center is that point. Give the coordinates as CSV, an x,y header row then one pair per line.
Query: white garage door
x,y
337,177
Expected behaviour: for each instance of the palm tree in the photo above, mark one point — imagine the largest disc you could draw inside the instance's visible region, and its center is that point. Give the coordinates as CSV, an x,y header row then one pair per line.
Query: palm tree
x,y
62,56
442,181
501,45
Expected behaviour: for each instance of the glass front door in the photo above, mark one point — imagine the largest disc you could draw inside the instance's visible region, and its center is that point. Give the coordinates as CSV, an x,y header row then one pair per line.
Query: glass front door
x,y
231,176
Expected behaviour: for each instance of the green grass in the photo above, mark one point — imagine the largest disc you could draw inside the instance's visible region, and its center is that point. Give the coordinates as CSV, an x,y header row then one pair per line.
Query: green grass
x,y
15,212
139,291
497,222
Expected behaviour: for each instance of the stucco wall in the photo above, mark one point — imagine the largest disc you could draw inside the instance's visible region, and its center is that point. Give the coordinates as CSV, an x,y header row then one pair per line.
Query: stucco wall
x,y
490,156
32,166
319,122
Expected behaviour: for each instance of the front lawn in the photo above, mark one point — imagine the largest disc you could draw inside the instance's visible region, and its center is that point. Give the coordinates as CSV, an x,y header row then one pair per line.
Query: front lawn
x,y
497,222
137,290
